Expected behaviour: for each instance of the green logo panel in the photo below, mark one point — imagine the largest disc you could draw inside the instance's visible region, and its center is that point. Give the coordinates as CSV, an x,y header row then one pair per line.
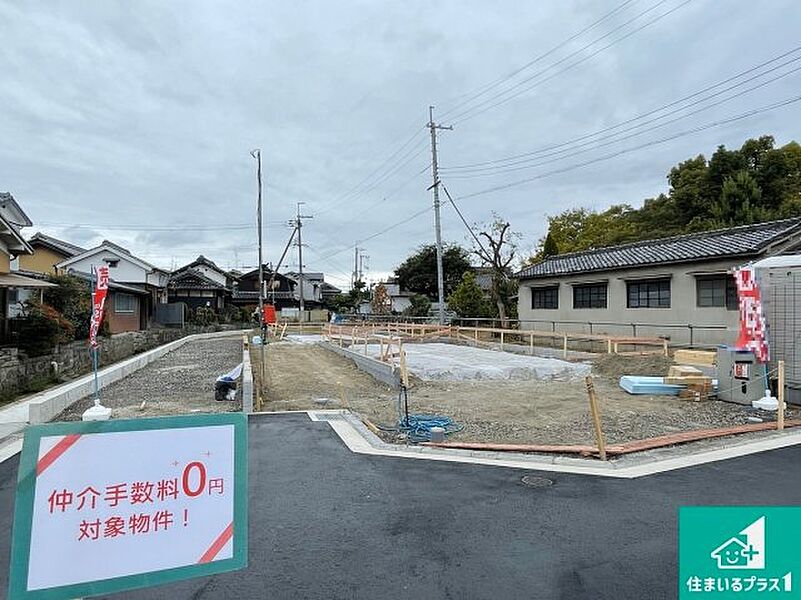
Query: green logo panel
x,y
739,552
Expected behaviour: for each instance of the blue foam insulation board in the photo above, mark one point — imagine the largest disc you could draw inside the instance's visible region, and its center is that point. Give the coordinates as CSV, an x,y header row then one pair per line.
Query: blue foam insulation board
x,y
648,385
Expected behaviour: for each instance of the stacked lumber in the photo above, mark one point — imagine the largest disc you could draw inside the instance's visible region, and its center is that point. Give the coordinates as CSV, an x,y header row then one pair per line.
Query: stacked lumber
x,y
704,358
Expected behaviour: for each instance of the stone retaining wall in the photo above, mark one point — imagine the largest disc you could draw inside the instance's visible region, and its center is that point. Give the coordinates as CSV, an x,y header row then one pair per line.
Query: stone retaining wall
x,y
18,371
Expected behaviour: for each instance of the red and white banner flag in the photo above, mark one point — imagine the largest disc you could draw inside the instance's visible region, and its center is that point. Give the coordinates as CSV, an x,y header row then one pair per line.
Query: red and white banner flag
x,y
753,330
98,303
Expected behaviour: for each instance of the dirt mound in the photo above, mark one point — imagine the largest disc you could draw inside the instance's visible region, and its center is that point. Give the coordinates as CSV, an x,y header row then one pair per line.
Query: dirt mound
x,y
614,366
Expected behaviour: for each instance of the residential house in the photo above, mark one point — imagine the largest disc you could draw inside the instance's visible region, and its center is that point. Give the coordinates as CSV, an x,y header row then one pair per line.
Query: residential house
x,y
47,253
315,289
680,287
281,293
201,283
12,246
127,270
400,299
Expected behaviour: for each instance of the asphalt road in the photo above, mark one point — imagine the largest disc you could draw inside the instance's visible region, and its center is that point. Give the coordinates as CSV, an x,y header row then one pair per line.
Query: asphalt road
x,y
325,523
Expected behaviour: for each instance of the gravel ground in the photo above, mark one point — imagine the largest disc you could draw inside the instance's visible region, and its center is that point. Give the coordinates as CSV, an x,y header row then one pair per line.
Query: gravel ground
x,y
304,377
180,382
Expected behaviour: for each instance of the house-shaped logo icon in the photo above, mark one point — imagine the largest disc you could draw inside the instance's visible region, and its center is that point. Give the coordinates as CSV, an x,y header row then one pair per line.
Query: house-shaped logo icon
x,y
746,550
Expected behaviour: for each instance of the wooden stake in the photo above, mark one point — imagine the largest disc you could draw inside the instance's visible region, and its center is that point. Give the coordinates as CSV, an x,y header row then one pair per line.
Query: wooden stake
x,y
596,417
404,372
564,346
609,346
780,414
501,340
531,342
665,348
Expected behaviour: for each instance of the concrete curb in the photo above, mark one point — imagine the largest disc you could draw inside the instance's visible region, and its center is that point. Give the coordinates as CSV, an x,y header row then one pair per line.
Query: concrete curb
x,y
382,372
44,406
360,440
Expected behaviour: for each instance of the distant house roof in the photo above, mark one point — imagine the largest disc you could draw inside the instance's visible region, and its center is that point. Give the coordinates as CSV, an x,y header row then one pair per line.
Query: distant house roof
x,y
60,246
107,245
328,288
192,279
13,211
736,242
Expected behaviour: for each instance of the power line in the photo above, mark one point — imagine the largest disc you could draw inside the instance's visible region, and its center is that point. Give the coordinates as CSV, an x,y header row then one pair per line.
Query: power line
x,y
484,89
698,129
186,227
382,232
487,104
515,159
356,189
616,137
461,216
361,213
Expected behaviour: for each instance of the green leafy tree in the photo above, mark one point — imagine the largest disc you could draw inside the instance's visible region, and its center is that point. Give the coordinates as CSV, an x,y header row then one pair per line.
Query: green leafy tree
x,y
757,182
418,273
739,202
549,246
467,299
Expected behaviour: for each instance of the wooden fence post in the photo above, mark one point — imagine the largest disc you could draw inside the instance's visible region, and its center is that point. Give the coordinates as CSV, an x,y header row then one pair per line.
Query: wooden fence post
x,y
531,342
564,346
501,340
596,417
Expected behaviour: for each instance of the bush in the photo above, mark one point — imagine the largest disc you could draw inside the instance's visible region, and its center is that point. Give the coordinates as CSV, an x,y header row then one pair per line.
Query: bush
x,y
203,316
72,298
420,306
42,328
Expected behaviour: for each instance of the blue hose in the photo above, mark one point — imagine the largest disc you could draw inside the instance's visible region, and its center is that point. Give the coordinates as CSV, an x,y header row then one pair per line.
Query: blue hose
x,y
418,427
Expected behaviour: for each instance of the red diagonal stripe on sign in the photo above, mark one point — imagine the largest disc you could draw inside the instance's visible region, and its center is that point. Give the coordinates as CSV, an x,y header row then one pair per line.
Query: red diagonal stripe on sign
x,y
52,455
217,545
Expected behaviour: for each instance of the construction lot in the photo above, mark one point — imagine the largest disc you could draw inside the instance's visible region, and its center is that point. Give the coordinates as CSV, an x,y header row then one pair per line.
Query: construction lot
x,y
180,382
495,396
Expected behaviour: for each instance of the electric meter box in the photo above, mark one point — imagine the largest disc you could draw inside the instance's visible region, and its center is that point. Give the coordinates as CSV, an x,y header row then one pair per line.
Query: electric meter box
x,y
741,378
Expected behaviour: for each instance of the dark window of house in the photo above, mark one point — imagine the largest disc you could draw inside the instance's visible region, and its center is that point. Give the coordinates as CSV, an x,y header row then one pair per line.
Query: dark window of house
x,y
124,303
720,291
589,296
112,262
649,293
545,297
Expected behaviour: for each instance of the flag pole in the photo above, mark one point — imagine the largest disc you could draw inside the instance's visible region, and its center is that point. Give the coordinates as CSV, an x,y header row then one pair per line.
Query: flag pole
x,y
97,412
94,346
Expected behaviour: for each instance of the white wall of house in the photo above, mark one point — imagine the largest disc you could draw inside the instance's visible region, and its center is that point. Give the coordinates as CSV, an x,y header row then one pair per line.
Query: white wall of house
x,y
212,274
126,270
710,324
400,303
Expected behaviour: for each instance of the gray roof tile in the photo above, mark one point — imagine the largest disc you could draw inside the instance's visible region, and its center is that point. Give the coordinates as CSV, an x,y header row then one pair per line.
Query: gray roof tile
x,y
745,240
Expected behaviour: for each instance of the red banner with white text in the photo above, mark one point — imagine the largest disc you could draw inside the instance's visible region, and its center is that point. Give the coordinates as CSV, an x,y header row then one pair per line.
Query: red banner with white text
x,y
753,330
98,303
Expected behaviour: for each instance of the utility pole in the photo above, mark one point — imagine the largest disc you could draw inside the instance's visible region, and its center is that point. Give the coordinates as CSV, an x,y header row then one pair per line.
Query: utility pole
x,y
263,326
437,223
362,257
355,267
299,227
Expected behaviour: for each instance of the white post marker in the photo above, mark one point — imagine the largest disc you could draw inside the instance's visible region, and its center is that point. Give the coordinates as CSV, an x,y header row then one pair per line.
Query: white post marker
x,y
107,506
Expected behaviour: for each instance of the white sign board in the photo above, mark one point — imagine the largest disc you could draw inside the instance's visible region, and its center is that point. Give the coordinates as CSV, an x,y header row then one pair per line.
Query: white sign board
x,y
101,504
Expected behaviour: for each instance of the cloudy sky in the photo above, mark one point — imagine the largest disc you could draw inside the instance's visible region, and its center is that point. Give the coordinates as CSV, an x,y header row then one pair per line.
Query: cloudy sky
x,y
133,121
